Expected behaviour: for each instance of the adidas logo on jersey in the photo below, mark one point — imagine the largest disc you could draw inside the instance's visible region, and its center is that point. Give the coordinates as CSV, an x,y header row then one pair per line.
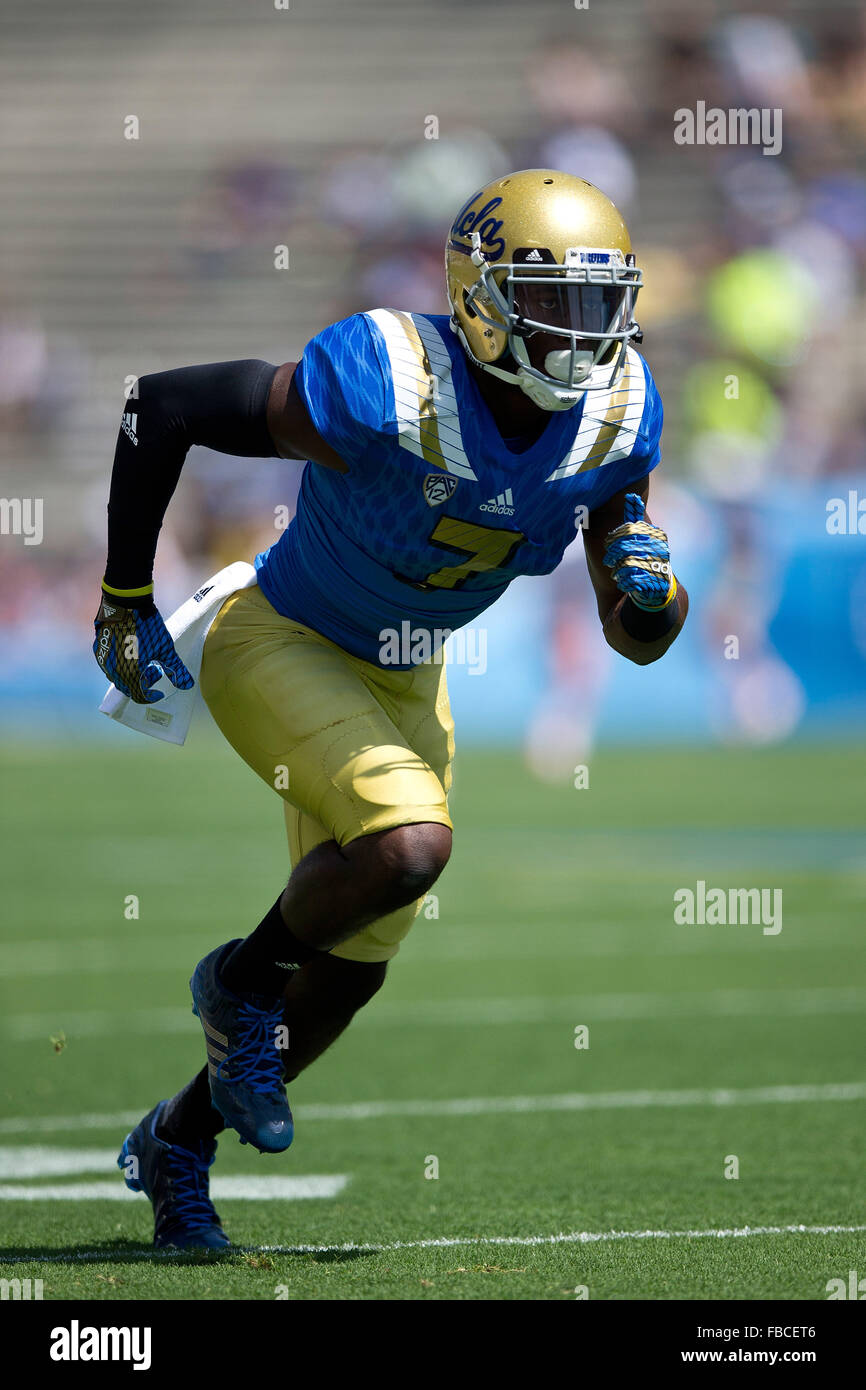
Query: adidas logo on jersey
x,y
129,425
503,505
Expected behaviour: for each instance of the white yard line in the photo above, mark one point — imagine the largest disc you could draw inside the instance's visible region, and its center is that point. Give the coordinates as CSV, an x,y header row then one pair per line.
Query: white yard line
x,y
47,1161
448,1242
222,1189
59,1124
28,1161
100,955
97,1023
488,1105
528,1009
584,1100
723,1003
579,1238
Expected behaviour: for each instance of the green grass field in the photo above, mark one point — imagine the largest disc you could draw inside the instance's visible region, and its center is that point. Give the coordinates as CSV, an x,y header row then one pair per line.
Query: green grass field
x,y
705,1042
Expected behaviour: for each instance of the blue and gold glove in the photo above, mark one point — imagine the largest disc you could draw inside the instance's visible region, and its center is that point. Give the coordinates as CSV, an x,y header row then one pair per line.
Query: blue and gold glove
x,y
638,555
134,648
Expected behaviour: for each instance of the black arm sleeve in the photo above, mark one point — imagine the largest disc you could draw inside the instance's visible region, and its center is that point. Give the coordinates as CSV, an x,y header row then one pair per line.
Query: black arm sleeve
x,y
222,405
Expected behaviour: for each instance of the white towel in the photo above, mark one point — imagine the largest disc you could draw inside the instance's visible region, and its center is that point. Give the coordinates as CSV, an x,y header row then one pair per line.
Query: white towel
x,y
170,718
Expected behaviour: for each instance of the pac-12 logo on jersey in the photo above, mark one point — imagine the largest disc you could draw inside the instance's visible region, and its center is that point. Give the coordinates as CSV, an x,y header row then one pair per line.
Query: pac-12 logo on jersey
x,y
438,487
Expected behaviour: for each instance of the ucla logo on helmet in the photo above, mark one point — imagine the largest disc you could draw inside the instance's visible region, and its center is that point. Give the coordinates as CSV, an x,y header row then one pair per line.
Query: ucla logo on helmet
x,y
438,487
469,220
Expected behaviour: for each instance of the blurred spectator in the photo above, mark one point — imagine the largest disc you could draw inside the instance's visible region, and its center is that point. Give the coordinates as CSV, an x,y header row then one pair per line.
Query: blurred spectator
x,y
753,269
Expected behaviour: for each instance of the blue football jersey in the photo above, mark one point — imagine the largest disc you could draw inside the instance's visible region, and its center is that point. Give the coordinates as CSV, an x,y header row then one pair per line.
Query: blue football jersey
x,y
436,515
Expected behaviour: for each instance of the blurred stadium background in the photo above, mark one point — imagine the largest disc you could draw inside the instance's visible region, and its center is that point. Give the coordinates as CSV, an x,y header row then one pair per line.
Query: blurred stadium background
x,y
305,127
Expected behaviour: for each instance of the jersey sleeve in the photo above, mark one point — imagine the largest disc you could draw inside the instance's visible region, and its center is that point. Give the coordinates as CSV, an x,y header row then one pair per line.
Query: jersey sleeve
x,y
645,453
341,382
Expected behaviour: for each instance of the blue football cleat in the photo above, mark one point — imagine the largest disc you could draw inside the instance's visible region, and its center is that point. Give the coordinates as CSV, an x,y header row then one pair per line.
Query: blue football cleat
x,y
245,1065
176,1181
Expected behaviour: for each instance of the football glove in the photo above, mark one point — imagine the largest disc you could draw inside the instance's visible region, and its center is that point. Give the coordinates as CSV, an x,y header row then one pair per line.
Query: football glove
x,y
639,558
135,650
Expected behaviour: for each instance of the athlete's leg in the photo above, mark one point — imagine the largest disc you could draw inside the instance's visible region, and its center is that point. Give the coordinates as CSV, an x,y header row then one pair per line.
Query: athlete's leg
x,y
319,995
321,999
381,834
190,1115
317,726
333,892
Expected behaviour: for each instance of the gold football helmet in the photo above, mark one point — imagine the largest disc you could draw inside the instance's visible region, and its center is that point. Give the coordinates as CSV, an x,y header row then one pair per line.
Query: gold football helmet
x,y
542,281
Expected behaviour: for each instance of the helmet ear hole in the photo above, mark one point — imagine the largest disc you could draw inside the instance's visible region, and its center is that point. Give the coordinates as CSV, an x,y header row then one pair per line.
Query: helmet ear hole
x,y
467,307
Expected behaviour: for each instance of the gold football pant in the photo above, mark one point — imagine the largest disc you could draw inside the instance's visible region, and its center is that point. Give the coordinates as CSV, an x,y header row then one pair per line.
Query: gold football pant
x,y
351,748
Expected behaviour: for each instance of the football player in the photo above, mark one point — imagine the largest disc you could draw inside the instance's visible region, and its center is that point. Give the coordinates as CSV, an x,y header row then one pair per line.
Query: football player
x,y
446,455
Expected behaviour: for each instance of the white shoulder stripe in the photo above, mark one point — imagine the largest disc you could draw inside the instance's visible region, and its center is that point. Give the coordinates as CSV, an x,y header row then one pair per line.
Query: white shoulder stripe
x,y
609,424
425,400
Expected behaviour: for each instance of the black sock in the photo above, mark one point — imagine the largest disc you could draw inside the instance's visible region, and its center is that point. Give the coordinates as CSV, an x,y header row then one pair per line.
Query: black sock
x,y
263,962
189,1117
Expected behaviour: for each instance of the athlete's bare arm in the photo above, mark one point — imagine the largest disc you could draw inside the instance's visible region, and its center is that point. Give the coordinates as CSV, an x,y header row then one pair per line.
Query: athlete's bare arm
x,y
290,426
610,599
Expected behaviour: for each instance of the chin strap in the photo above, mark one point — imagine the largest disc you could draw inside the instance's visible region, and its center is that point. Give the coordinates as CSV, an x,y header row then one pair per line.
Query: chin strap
x,y
545,397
